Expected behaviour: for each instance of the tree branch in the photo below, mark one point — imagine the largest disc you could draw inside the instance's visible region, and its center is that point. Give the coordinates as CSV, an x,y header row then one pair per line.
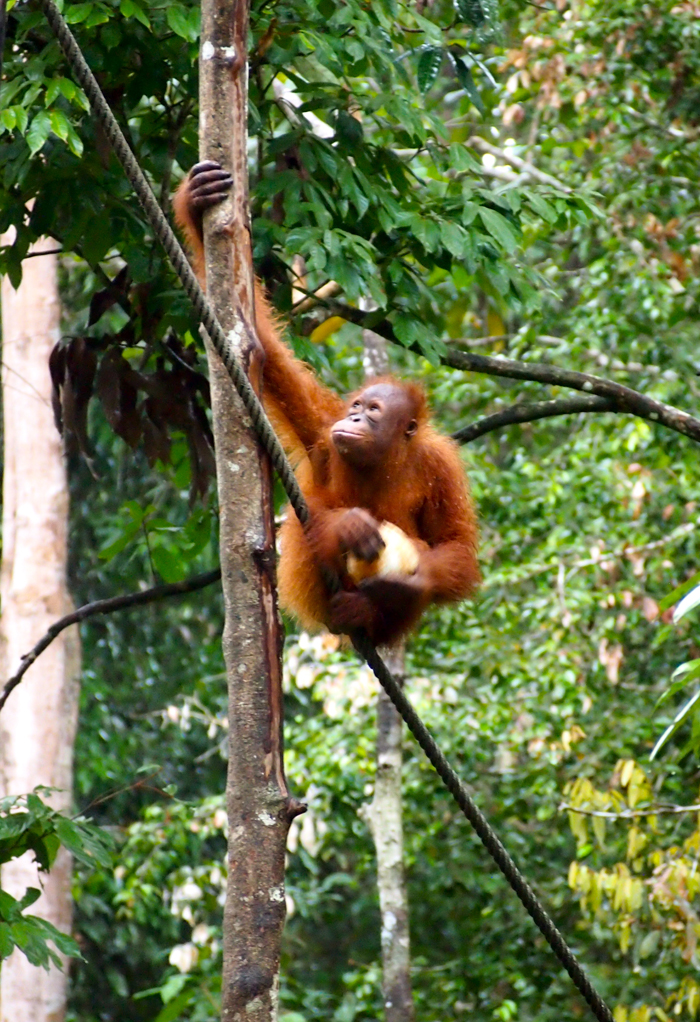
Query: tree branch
x,y
624,398
525,168
530,412
631,814
125,602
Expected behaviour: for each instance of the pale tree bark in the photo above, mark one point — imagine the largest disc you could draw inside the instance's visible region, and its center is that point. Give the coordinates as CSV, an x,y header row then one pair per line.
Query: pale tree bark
x,y
37,726
259,806
384,813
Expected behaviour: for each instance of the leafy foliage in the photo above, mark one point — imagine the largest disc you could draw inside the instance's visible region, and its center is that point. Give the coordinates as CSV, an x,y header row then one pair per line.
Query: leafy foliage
x,y
585,252
176,400
27,824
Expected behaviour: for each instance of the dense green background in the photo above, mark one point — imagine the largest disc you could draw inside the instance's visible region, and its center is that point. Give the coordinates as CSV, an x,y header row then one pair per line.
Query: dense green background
x,y
551,678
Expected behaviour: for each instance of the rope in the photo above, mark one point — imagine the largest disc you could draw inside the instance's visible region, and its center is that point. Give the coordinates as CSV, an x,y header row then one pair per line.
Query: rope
x,y
486,833
272,446
173,250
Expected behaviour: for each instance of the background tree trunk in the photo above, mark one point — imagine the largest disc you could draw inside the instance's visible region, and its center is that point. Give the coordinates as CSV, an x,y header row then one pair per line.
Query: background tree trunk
x,y
37,726
384,814
258,803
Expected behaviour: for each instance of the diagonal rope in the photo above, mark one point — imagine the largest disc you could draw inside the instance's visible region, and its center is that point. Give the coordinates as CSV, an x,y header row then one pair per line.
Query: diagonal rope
x,y
269,441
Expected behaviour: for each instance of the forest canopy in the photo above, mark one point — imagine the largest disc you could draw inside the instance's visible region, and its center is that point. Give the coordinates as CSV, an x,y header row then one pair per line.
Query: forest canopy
x,y
515,181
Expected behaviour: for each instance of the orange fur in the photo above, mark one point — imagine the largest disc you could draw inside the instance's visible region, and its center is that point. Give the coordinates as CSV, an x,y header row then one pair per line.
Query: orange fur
x,y
421,486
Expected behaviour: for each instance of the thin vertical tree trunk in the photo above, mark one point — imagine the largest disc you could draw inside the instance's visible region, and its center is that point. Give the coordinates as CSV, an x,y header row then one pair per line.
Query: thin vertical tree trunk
x,y
37,726
258,802
384,814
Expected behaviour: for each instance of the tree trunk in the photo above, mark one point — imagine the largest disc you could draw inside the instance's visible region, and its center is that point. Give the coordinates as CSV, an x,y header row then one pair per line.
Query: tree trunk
x,y
37,726
384,814
258,803
384,817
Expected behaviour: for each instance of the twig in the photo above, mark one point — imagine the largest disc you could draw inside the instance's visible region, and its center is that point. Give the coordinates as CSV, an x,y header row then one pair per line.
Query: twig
x,y
480,342
664,129
140,785
312,298
504,174
288,100
518,163
127,601
530,412
630,551
44,252
630,814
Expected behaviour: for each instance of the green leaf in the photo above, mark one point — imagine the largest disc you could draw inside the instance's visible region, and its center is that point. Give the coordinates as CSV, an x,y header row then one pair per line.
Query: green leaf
x,y
130,9
22,118
453,238
689,602
543,208
173,986
348,129
60,124
677,721
499,228
8,119
427,232
650,944
75,13
7,944
462,159
179,22
8,906
63,941
31,895
45,847
173,1010
327,158
681,677
168,565
465,79
39,131
471,11
52,92
110,550
679,592
73,93
429,66
20,933
75,143
407,328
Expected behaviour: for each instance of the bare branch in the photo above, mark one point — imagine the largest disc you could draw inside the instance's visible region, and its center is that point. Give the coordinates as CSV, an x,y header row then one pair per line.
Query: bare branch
x,y
125,602
518,163
480,342
530,412
313,298
288,100
624,398
504,174
662,809
631,552
44,252
665,129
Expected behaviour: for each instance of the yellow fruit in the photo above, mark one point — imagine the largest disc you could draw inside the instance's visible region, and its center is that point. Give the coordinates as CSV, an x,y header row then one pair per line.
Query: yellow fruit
x,y
399,556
